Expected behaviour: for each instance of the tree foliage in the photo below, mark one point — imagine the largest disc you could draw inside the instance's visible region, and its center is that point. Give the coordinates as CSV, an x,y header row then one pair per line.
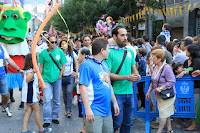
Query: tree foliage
x,y
85,13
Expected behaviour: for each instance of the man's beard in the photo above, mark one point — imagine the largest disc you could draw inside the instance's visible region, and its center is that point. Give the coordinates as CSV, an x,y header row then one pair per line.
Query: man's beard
x,y
120,43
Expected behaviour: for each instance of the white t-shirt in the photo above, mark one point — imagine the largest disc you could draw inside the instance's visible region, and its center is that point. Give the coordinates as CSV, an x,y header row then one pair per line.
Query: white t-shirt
x,y
41,47
133,49
28,95
6,56
69,65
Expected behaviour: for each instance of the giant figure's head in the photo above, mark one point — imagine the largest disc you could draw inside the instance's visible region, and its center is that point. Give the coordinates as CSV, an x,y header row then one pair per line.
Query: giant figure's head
x,y
13,24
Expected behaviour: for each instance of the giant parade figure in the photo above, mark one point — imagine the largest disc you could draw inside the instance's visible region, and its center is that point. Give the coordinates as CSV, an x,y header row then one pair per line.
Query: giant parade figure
x,y
13,28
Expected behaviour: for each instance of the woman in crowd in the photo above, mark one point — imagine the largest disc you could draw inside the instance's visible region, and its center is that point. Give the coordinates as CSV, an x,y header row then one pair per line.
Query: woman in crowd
x,y
68,78
162,79
191,65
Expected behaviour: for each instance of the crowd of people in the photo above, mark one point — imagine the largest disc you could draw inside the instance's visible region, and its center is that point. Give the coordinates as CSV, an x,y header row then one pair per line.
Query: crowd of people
x,y
102,71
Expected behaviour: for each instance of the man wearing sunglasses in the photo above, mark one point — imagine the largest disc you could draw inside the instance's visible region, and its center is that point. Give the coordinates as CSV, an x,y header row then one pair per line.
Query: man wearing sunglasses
x,y
52,65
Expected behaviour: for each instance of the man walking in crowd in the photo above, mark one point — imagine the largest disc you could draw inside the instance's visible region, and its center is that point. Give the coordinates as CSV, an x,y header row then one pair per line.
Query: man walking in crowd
x,y
50,61
181,57
3,81
87,42
122,79
145,41
96,90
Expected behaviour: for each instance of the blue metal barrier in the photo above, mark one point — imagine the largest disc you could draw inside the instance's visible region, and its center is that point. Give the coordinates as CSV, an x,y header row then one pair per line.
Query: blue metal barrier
x,y
184,103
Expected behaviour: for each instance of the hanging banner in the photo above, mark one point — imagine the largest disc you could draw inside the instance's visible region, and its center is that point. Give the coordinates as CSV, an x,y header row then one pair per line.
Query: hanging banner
x,y
152,10
171,10
130,18
175,9
137,16
158,11
143,13
189,7
180,10
195,4
163,12
167,9
184,7
133,17
140,15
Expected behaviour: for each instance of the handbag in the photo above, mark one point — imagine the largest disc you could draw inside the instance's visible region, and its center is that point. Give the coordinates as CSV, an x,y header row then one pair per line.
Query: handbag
x,y
168,93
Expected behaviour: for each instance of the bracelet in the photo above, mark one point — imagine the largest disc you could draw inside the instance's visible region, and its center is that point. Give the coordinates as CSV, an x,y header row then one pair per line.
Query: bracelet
x,y
19,69
128,78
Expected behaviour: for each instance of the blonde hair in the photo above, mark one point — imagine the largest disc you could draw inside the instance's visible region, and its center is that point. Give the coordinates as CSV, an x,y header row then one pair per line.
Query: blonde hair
x,y
159,53
13,9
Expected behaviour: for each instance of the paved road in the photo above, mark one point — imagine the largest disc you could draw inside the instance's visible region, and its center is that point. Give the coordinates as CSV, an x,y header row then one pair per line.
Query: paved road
x,y
73,125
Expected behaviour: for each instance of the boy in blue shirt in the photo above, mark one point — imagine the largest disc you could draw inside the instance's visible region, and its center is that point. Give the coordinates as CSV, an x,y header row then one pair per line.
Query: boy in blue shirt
x,y
96,90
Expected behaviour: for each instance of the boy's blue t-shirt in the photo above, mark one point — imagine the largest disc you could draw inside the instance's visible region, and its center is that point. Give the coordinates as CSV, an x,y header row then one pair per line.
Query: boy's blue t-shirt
x,y
97,79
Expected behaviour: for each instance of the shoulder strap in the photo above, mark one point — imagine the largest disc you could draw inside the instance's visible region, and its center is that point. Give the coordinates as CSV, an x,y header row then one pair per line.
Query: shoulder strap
x,y
160,74
120,66
53,59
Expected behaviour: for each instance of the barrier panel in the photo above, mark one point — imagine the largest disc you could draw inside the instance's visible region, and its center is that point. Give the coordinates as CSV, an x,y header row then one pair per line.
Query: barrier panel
x,y
184,103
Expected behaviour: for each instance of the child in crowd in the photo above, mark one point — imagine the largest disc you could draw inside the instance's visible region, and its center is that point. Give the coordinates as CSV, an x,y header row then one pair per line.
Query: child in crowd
x,y
166,31
178,68
81,57
31,95
142,71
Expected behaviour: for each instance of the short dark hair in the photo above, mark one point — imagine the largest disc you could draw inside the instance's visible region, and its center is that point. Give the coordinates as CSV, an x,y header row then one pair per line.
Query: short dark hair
x,y
85,51
145,37
194,51
116,28
139,41
187,42
98,44
87,35
44,33
167,26
129,38
161,39
176,66
142,51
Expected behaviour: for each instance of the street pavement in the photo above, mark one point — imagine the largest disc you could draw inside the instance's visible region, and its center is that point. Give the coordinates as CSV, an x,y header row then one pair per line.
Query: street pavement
x,y
67,125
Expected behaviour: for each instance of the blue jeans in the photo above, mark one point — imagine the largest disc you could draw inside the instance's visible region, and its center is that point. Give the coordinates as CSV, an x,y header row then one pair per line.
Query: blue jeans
x,y
68,93
3,86
54,88
125,118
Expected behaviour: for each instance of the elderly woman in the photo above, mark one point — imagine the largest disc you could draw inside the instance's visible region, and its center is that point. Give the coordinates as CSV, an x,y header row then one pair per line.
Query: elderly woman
x,y
162,79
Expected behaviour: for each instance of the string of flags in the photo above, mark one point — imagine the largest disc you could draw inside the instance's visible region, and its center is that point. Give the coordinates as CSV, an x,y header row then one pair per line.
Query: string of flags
x,y
165,12
79,33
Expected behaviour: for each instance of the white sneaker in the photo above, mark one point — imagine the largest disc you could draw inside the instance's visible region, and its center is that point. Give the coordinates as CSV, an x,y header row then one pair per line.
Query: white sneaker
x,y
8,111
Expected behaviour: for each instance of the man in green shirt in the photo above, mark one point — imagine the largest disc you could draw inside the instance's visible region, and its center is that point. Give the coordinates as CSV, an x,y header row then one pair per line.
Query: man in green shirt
x,y
122,81
52,78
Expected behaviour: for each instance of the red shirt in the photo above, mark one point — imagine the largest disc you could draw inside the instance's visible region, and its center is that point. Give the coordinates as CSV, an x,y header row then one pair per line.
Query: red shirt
x,y
19,60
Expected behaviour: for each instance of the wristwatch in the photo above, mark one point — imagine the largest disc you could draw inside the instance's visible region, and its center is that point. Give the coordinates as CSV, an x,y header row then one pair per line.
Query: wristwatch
x,y
184,72
161,88
19,69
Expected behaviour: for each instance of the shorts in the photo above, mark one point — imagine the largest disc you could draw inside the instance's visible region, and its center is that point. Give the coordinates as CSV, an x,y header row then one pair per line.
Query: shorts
x,y
32,103
3,85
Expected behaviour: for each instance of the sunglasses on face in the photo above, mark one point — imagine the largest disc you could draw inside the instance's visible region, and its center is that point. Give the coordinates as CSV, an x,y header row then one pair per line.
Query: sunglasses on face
x,y
52,42
29,40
